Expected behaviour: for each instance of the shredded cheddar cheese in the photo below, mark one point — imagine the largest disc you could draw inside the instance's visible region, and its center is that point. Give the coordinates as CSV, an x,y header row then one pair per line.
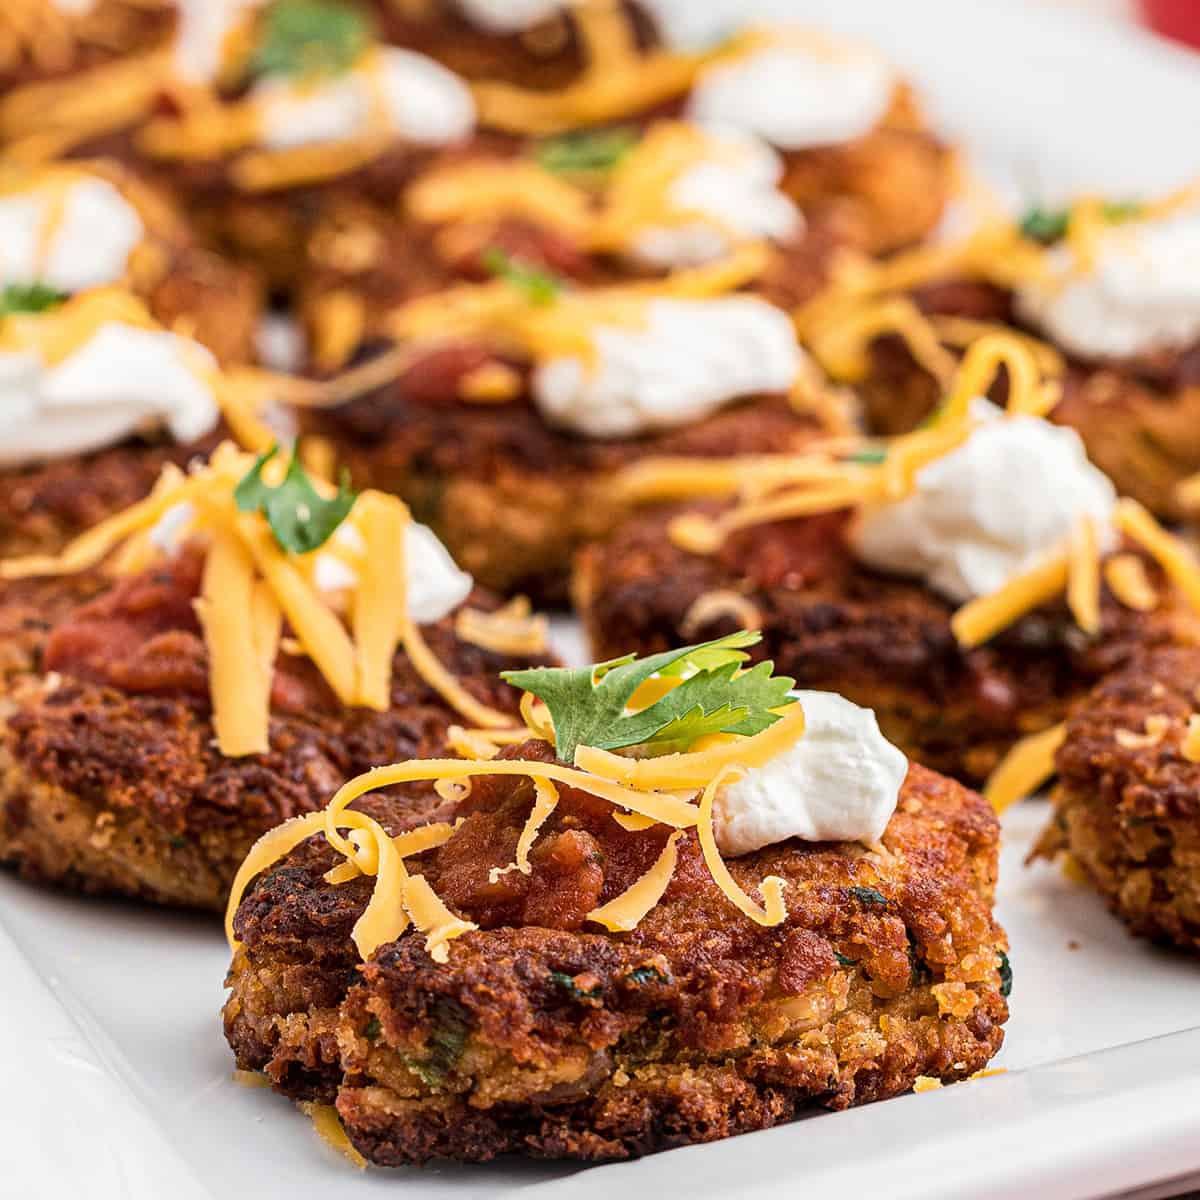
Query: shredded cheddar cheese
x,y
332,1132
1025,768
545,803
1168,551
1191,741
513,629
980,620
1083,577
1126,577
250,584
618,80
626,911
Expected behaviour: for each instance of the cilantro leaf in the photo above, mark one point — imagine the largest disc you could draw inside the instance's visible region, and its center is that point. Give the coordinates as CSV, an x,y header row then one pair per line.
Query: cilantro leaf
x,y
585,152
29,298
588,705
300,518
868,456
540,288
310,37
1052,224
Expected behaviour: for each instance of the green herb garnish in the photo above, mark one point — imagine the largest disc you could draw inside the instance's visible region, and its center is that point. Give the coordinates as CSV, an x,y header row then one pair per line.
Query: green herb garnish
x,y
568,985
866,895
868,456
300,518
310,37
540,288
843,960
588,704
373,1029
586,152
1052,224
644,975
21,298
1005,974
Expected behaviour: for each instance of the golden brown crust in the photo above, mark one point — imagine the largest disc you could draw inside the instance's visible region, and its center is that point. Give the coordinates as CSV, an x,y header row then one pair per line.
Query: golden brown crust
x,y
1127,805
883,641
544,1036
110,780
44,506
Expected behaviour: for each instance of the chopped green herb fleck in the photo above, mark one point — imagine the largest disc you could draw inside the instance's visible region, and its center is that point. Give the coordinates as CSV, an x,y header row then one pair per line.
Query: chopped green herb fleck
x,y
21,298
310,37
586,152
1052,224
843,960
868,456
178,842
300,518
540,288
1006,978
588,704
568,984
866,895
373,1029
446,1044
643,975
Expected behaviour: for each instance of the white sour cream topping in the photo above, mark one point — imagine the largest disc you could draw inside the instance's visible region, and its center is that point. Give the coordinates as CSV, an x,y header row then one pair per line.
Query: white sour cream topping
x,y
90,237
838,783
691,358
434,584
509,16
418,98
74,8
996,506
1142,294
204,27
735,196
122,381
798,94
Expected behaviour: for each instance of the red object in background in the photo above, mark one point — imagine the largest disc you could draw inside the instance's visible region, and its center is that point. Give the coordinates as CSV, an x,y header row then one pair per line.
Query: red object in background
x,y
1175,18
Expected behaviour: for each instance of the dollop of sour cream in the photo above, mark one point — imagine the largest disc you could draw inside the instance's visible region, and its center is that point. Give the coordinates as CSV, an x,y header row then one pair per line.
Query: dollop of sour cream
x,y
735,196
418,99
123,380
203,30
509,16
1141,293
838,783
688,359
798,91
70,237
994,507
434,584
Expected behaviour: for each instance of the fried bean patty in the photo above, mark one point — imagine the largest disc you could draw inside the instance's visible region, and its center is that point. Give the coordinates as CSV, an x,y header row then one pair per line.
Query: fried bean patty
x,y
110,779
1139,418
1127,804
882,641
544,1035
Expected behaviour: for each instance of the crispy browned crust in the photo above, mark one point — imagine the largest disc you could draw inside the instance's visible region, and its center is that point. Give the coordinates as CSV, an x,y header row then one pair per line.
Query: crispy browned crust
x,y
1139,418
42,507
882,641
1127,804
510,496
120,789
545,1036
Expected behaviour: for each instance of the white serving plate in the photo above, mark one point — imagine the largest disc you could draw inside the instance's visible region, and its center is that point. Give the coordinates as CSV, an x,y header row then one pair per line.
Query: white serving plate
x,y
118,1082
